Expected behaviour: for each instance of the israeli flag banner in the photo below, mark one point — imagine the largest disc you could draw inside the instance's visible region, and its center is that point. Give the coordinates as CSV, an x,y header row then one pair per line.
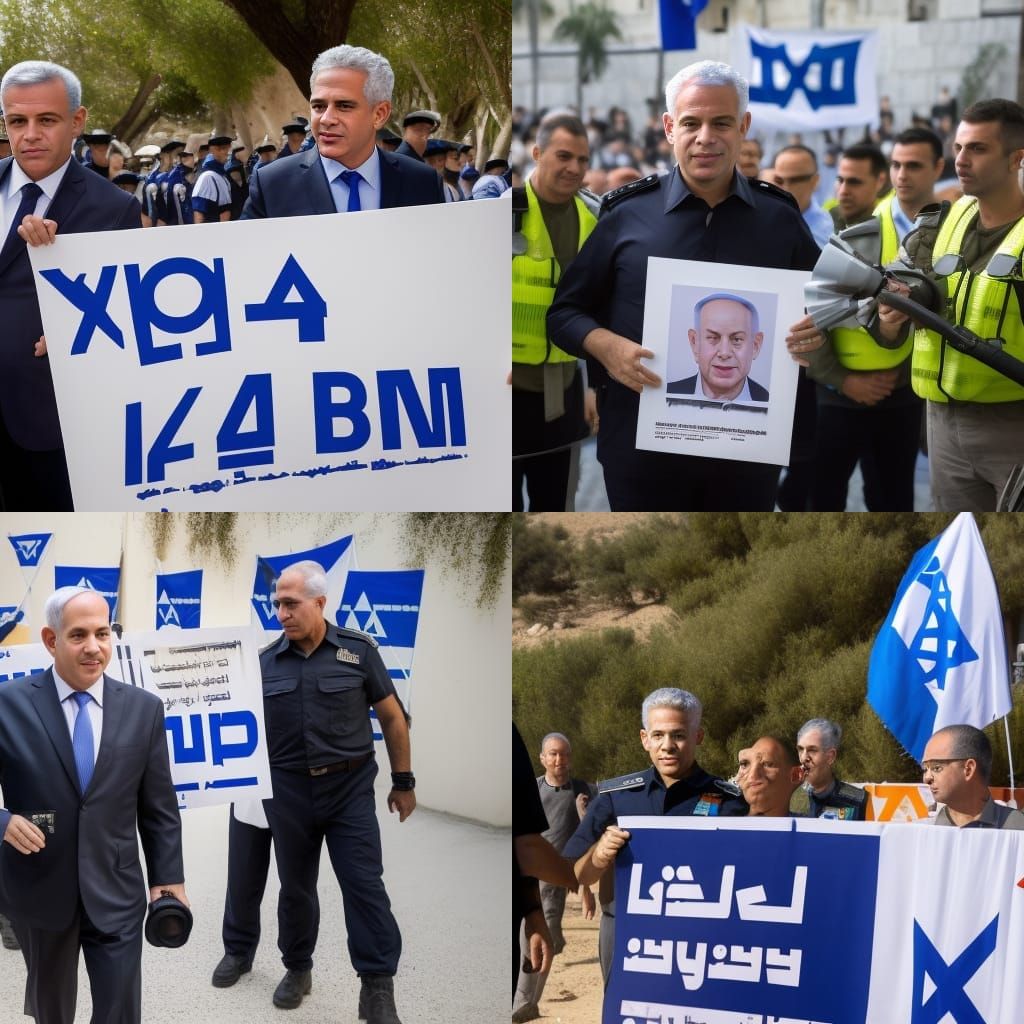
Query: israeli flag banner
x,y
678,20
178,599
29,547
103,579
337,558
805,921
809,81
940,657
387,606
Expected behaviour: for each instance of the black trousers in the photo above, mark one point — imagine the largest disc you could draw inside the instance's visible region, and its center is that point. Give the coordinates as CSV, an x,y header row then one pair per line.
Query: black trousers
x,y
248,863
884,438
113,962
32,481
341,810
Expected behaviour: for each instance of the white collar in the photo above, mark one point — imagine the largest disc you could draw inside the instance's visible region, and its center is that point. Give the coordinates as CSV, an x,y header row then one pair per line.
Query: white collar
x,y
17,178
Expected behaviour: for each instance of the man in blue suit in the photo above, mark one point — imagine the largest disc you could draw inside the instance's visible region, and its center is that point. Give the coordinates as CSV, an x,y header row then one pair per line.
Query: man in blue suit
x,y
85,773
350,98
43,113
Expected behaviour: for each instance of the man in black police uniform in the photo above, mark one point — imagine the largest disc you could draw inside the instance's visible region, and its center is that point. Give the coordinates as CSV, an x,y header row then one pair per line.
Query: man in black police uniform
x,y
702,210
674,785
319,683
817,744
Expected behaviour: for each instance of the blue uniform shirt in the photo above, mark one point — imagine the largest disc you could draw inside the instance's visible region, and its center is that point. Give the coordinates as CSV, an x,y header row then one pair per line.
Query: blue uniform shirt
x,y
317,707
698,794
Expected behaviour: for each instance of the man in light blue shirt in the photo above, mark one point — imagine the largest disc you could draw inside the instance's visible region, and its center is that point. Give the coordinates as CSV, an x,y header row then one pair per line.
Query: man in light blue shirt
x,y
796,170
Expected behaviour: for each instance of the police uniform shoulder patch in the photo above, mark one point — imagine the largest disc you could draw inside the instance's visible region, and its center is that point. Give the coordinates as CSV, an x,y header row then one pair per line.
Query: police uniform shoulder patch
x,y
633,781
729,788
273,643
767,188
356,634
855,793
633,188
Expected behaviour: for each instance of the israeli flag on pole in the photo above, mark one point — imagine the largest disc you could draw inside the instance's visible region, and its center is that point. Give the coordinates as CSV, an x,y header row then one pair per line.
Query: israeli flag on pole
x,y
178,599
29,547
678,23
104,580
940,658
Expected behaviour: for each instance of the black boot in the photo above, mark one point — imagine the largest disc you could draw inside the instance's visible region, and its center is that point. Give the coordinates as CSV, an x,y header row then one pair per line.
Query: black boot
x,y
230,969
294,985
377,1000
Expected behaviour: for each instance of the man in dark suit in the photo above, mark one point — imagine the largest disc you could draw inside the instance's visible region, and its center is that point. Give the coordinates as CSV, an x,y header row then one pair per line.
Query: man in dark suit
x,y
725,339
43,113
350,99
84,772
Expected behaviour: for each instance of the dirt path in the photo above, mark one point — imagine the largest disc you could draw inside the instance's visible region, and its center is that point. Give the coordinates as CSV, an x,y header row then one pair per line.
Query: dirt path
x,y
574,991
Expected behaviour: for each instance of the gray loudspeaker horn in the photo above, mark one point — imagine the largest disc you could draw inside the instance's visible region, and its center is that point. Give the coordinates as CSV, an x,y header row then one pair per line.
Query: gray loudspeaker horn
x,y
842,269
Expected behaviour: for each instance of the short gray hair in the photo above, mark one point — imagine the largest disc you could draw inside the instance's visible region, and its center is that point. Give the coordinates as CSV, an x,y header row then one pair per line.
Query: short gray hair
x,y
672,697
313,576
555,736
35,72
380,79
831,732
53,610
707,72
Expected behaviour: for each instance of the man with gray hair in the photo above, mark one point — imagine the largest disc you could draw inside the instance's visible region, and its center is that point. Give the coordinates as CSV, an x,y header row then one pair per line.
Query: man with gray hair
x,y
957,768
350,99
703,209
674,785
817,744
43,190
86,775
319,683
565,801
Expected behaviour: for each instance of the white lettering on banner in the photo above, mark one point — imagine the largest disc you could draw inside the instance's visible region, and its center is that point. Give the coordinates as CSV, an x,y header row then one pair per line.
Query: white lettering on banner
x,y
633,1012
732,963
259,376
685,898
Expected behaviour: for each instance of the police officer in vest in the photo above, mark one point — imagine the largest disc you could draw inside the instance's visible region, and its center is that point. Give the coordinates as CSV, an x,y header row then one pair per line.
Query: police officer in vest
x,y
552,218
817,744
319,683
867,410
674,785
975,414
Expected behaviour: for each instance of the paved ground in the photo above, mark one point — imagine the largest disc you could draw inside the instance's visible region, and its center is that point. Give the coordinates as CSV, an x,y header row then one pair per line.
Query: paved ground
x,y
450,889
590,497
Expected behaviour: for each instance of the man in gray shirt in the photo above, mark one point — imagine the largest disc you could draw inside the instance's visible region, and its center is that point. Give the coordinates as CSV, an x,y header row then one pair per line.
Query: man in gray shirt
x,y
957,765
565,802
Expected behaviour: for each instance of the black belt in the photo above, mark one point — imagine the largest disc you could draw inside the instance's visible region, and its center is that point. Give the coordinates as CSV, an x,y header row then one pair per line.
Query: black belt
x,y
341,766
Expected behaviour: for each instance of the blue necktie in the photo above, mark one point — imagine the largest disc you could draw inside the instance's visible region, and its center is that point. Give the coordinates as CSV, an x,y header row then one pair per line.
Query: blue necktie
x,y
352,179
30,194
81,741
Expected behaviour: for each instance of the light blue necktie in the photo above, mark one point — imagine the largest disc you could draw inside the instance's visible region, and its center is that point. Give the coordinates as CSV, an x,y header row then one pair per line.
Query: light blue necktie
x,y
81,741
352,179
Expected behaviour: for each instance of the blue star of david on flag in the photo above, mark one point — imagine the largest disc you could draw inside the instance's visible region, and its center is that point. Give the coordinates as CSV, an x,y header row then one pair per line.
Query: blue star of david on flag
x,y
949,980
29,547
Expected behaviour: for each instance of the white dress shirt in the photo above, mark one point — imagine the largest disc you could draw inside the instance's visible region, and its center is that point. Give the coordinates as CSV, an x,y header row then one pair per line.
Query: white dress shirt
x,y
369,187
94,709
11,196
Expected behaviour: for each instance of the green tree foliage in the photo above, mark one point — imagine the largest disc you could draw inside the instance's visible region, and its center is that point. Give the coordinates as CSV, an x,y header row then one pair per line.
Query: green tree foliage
x,y
590,26
776,617
541,558
158,58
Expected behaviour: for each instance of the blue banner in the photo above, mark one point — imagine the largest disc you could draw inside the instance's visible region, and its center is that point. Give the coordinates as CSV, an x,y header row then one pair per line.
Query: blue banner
x,y
29,547
104,580
335,557
678,23
178,599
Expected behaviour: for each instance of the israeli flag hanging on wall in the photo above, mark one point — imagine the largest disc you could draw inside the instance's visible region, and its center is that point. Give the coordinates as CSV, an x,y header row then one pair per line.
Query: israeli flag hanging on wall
x,y
104,580
809,81
678,19
178,599
29,547
940,658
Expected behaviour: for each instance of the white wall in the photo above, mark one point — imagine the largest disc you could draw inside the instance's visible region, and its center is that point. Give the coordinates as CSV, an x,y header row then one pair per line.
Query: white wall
x,y
461,677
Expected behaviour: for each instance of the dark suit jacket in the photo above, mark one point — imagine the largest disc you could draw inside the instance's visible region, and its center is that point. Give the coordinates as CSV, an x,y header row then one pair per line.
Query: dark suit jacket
x,y
84,202
296,186
404,149
688,386
94,851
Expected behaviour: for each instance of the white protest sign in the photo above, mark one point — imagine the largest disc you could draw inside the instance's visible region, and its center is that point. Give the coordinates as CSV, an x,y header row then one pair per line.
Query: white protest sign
x,y
352,362
210,685
728,383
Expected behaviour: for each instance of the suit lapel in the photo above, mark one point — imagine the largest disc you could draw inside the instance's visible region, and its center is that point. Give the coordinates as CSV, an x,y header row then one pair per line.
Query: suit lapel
x,y
390,181
315,180
44,699
113,714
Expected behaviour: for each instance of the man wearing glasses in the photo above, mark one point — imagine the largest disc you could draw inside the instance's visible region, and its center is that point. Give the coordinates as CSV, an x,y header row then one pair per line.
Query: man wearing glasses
x,y
796,170
957,764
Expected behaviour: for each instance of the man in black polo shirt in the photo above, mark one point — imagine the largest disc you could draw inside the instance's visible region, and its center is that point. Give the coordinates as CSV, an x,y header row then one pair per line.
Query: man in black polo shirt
x,y
319,683
701,210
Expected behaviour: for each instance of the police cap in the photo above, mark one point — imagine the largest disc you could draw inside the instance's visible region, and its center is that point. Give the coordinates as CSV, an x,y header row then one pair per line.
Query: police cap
x,y
437,146
125,178
266,146
422,117
386,135
496,164
98,135
293,128
219,140
170,147
169,921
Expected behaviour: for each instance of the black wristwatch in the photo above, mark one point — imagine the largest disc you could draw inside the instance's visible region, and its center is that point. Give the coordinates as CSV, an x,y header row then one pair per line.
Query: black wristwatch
x,y
403,781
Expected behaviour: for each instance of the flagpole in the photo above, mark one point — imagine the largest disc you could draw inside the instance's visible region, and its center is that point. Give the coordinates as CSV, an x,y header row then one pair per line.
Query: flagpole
x,y
1009,756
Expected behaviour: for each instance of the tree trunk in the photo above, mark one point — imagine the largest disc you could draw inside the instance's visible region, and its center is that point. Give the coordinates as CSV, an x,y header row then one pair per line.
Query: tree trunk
x,y
141,128
121,129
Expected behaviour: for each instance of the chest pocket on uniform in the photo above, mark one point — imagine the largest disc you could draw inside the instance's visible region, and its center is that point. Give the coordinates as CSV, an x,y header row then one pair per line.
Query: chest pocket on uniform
x,y
343,694
276,690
